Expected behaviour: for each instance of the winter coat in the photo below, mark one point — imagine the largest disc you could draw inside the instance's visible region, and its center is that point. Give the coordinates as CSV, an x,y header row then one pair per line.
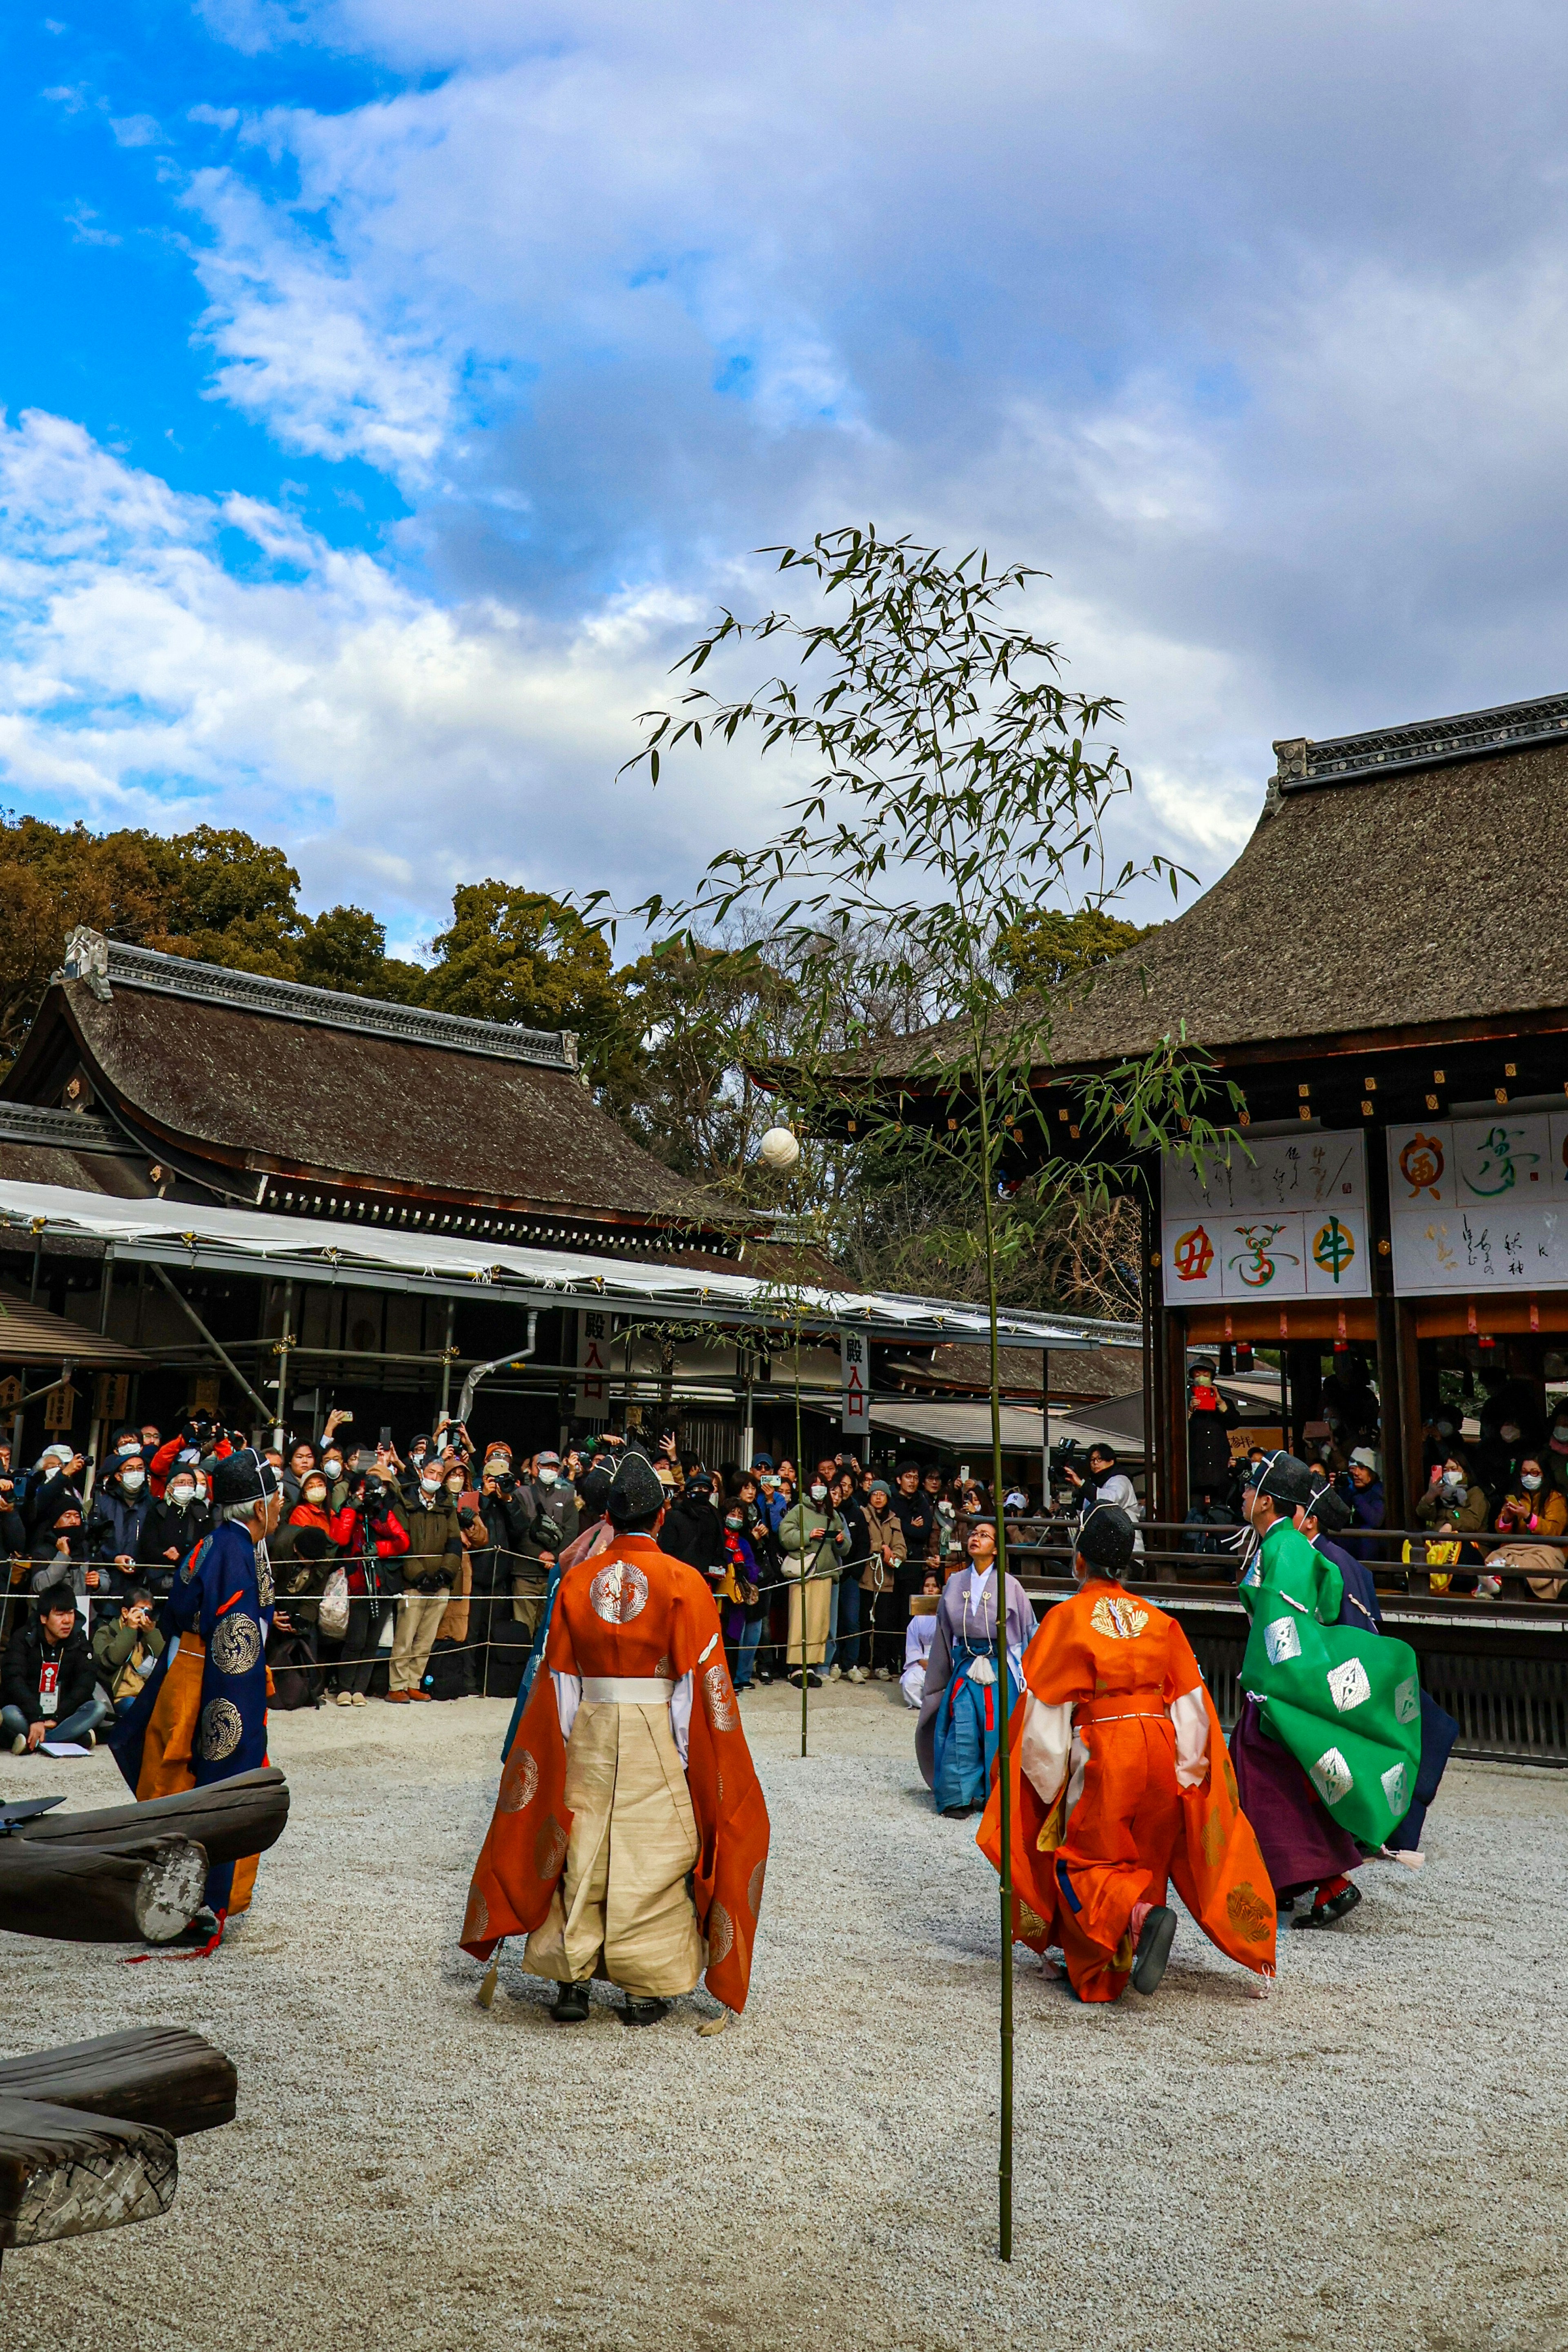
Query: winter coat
x,y
815,1533
115,1522
544,1509
694,1531
434,1546
114,1647
22,1673
167,1529
1208,1467
886,1534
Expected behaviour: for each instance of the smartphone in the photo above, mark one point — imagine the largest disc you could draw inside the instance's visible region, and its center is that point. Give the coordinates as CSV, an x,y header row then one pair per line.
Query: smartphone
x,y
385,1437
342,1412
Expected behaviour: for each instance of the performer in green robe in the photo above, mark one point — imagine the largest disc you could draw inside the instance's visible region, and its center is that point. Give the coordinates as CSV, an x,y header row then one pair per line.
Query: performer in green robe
x,y
1346,1704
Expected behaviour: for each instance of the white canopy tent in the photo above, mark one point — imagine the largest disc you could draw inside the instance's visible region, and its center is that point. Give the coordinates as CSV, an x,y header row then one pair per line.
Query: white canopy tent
x,y
177,1233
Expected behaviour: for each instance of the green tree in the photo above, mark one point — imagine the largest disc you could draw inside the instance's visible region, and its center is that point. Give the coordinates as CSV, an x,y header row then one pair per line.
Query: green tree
x,y
1048,948
516,955
955,786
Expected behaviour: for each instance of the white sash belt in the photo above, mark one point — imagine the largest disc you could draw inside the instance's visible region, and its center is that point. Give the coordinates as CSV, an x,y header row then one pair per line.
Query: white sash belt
x,y
627,1690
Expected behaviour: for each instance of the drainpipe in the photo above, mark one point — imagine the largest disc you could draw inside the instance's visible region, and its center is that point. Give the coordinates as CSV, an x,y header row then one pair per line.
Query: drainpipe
x,y
476,1372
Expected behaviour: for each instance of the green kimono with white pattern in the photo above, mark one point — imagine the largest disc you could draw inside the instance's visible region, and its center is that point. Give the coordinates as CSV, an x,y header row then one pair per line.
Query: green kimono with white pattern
x,y
1347,1705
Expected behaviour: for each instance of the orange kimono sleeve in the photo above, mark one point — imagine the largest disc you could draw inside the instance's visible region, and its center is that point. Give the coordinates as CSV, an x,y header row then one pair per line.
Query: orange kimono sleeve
x,y
1218,1869
525,1846
1052,1674
726,1800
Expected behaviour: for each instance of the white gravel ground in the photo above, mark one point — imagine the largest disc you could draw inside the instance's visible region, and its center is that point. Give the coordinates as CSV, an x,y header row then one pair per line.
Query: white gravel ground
x,y
1371,2155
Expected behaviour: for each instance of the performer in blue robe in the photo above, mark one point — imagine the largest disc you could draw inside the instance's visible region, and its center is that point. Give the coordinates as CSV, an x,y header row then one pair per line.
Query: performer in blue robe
x,y
967,1682
201,1715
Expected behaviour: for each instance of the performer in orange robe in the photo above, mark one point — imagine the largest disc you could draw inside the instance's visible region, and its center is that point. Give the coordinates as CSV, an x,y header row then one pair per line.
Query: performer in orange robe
x,y
630,1836
1120,1782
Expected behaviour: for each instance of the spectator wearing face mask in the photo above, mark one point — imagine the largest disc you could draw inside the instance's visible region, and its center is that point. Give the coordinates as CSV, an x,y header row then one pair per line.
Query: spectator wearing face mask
x,y
335,1470
57,1481
429,1569
550,1509
811,1563
1362,1490
173,1529
742,1607
119,1514
1532,1512
46,1683
1455,1504
59,1554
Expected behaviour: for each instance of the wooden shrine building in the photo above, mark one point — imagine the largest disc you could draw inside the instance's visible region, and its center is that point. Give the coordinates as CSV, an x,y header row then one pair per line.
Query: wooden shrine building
x,y
1383,972
268,1200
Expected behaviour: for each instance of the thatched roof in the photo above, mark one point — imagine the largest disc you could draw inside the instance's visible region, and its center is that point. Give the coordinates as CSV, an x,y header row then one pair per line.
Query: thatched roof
x,y
283,1093
1402,880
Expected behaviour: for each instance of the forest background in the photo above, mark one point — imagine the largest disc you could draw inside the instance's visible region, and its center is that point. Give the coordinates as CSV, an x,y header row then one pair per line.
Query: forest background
x,y
668,1040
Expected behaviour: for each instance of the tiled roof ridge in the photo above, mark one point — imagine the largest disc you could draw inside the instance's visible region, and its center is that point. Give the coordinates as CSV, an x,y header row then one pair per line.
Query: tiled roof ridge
x,y
69,1130
1423,743
106,963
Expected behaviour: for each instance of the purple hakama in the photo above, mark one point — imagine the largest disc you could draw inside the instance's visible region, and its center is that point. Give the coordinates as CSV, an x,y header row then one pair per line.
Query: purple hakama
x,y
1302,1844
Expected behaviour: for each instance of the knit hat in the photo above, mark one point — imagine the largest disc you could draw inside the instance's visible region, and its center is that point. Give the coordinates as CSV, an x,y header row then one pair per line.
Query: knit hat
x,y
1106,1539
636,1491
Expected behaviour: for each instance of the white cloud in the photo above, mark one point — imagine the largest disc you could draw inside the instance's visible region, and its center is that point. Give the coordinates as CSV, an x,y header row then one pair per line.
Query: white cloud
x,y
392,745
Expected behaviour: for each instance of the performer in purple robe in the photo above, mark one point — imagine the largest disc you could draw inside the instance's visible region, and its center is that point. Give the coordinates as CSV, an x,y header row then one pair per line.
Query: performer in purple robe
x,y
967,1682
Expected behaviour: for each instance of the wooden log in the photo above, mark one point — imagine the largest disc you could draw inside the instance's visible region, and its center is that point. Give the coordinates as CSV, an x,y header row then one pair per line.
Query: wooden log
x,y
63,2174
230,1818
86,1897
149,2074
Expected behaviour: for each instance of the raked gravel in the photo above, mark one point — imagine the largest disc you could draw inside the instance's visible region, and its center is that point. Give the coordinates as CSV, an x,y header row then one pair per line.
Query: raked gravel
x,y
1372,2154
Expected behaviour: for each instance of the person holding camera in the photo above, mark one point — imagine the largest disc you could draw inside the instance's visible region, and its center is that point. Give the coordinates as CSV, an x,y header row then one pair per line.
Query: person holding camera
x,y
550,1512
491,1562
125,1648
378,1541
430,1568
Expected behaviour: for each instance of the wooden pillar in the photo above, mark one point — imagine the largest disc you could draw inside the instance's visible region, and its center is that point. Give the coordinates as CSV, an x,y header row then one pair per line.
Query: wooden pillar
x,y
1411,1418
1391,1384
1174,1494
1149,1291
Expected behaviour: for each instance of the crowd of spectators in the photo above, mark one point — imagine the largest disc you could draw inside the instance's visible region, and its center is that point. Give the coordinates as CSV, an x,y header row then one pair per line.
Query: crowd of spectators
x,y
433,1564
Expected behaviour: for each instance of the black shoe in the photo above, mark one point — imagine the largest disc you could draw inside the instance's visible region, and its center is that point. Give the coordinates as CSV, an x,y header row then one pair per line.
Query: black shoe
x,y
814,1681
643,2013
570,2005
1325,1915
1155,1941
957,1812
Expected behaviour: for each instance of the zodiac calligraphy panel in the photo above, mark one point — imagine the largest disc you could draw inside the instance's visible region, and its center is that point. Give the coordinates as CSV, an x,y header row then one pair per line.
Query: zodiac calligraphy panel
x,y
1480,1203
1289,1221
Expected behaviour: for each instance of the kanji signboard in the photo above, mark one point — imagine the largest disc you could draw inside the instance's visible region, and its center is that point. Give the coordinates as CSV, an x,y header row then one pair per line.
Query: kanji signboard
x,y
854,1360
1289,1221
1480,1203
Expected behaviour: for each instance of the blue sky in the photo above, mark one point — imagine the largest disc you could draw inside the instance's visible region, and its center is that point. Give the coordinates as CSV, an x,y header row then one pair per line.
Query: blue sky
x,y
389,392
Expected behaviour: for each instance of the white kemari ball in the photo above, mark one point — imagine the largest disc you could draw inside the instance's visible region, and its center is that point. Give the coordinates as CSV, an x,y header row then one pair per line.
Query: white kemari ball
x,y
780,1147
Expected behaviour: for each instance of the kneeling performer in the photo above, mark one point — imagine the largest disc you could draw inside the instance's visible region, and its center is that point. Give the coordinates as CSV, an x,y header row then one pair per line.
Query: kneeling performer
x,y
630,1827
1120,1781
